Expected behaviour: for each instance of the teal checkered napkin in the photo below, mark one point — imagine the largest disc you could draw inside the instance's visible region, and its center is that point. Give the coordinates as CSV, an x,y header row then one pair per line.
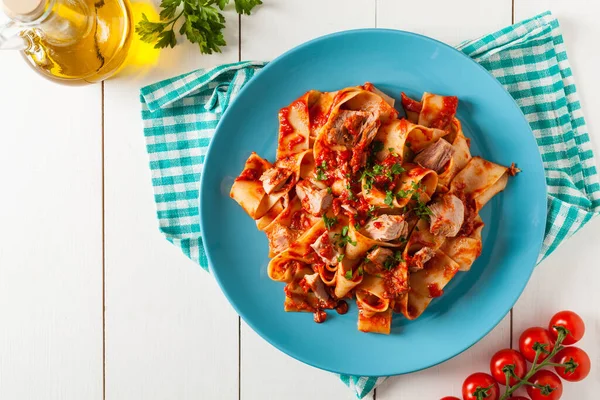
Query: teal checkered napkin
x,y
529,58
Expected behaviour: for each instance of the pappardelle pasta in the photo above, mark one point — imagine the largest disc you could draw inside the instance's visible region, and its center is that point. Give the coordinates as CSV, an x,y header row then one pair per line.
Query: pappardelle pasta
x,y
362,204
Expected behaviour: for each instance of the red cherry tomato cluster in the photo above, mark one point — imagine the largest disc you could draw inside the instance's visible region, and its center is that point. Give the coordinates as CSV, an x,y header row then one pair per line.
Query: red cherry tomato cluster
x,y
542,348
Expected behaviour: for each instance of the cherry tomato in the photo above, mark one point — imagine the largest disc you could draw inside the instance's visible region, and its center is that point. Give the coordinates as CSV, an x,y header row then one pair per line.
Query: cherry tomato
x,y
579,359
480,386
508,357
532,336
570,321
449,398
552,386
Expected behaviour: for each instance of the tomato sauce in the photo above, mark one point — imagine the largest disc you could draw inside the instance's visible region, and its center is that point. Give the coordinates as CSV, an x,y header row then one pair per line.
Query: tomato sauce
x,y
300,105
434,290
295,141
249,175
317,117
369,86
446,113
341,307
285,128
320,316
411,105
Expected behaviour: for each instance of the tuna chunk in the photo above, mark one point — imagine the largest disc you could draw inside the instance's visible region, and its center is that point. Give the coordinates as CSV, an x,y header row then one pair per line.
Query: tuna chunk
x,y
386,228
420,258
324,249
380,255
436,155
274,178
314,200
447,217
350,127
316,285
280,238
349,208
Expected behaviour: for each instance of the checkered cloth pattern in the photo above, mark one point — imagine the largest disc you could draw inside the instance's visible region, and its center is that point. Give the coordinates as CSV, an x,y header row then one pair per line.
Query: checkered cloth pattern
x,y
529,58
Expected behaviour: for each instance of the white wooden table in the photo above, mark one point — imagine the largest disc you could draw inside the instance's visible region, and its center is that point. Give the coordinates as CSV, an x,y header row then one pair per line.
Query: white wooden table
x,y
95,304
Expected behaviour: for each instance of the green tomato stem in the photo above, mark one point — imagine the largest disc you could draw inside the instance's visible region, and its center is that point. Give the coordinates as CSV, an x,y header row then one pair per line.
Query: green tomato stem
x,y
535,367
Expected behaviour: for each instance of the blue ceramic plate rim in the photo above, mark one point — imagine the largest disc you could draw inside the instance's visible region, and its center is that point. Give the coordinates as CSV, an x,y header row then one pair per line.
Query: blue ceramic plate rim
x,y
516,291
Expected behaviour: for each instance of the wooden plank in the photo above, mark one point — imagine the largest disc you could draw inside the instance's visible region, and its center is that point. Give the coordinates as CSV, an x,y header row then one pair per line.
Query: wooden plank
x,y
170,333
449,21
51,254
568,278
452,22
278,26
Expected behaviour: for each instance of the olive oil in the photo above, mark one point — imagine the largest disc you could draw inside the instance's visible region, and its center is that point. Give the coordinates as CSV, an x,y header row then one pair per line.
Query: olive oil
x,y
80,40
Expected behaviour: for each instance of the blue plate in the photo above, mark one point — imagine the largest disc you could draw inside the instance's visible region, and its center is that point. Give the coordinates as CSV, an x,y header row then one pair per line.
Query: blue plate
x,y
475,301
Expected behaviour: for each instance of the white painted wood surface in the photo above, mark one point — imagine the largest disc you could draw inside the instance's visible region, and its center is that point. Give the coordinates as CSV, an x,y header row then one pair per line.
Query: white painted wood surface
x,y
167,331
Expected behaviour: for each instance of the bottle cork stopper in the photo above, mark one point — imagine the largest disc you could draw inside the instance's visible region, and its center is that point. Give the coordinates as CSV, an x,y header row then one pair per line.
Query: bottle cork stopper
x,y
30,9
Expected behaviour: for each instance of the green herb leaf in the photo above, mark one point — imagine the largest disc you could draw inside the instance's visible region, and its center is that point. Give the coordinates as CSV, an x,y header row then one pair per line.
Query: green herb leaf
x,y
389,198
398,256
168,8
348,275
344,231
321,171
371,210
360,270
389,263
340,257
402,194
397,169
351,195
245,6
329,222
203,23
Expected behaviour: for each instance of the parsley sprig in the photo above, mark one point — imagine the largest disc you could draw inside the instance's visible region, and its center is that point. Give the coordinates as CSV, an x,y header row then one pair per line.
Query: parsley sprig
x,y
203,23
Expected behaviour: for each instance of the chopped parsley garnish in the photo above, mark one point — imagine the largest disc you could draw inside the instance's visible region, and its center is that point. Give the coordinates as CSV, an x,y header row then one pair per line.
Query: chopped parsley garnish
x,y
348,275
398,256
371,210
329,222
391,149
421,210
321,171
368,174
344,238
402,194
351,195
389,198
397,169
389,263
360,270
340,257
357,225
329,190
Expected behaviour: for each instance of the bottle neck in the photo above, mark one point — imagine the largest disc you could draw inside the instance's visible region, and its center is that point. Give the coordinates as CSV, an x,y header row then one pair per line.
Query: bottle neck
x,y
63,22
33,17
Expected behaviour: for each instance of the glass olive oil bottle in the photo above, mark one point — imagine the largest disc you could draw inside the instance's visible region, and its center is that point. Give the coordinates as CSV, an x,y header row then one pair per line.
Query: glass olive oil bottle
x,y
72,41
